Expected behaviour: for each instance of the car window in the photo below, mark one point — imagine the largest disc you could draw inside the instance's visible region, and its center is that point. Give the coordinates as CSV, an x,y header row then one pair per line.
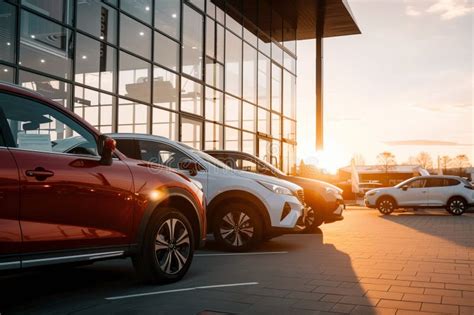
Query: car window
x,y
247,165
417,183
435,182
451,182
129,147
38,127
161,153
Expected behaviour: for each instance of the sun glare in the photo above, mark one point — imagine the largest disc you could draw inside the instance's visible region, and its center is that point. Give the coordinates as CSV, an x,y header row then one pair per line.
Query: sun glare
x,y
330,159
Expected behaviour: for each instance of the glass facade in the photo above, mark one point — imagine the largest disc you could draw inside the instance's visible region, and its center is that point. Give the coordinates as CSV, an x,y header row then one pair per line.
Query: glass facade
x,y
196,71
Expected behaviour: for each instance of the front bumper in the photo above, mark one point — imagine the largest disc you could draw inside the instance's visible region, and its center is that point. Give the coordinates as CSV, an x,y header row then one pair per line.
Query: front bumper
x,y
336,215
285,211
369,204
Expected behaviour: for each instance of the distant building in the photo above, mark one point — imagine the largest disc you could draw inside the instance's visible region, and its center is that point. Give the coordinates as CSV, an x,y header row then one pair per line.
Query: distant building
x,y
375,173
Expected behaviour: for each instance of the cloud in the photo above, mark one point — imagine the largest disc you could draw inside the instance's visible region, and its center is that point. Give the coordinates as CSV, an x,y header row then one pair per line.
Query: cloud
x,y
445,9
424,142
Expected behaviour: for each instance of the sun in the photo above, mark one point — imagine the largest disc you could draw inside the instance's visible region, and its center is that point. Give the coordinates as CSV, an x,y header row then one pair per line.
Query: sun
x,y
331,159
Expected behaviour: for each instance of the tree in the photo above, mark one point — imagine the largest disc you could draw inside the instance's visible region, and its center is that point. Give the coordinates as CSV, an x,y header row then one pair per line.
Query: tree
x,y
461,162
424,160
444,161
386,161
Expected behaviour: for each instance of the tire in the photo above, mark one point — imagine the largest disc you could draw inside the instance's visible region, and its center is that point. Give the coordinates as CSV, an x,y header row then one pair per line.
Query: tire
x,y
386,205
456,206
312,222
237,226
168,248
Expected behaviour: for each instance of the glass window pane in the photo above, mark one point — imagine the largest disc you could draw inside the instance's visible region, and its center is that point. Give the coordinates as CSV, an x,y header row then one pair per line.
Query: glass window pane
x,y
133,116
140,9
220,43
250,73
265,150
210,38
191,96
289,129
165,88
95,107
61,10
166,52
7,74
289,159
264,44
214,105
95,63
192,43
97,19
211,9
167,17
232,139
264,81
213,137
58,91
277,53
135,36
165,124
191,132
198,3
248,143
232,111
290,63
275,150
7,31
276,88
276,126
264,119
214,74
289,95
233,64
45,46
220,15
134,78
234,22
249,115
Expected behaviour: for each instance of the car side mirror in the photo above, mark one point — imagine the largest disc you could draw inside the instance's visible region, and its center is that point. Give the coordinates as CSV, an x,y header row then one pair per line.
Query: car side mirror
x,y
404,187
189,165
106,148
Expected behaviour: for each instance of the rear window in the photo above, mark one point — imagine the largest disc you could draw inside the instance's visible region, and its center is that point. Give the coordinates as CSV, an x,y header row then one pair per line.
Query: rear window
x,y
451,182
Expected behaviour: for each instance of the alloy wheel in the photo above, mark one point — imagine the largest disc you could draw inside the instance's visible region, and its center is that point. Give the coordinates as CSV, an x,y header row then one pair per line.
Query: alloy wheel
x,y
236,228
456,207
386,206
172,246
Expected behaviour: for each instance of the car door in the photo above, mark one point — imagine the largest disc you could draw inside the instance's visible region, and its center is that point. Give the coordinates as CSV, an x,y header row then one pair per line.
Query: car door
x,y
10,233
170,156
413,193
438,192
68,199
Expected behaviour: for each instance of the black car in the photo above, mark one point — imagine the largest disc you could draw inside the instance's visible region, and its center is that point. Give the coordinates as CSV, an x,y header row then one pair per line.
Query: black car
x,y
325,199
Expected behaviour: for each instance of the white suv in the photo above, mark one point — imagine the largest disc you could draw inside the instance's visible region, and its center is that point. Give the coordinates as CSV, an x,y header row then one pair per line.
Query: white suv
x,y
242,208
453,193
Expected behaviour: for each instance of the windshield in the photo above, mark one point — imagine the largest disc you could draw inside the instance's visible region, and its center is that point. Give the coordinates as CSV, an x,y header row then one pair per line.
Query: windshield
x,y
404,183
209,159
271,167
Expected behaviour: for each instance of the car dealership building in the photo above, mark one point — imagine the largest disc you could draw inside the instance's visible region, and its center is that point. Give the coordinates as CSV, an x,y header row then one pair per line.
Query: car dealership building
x,y
213,74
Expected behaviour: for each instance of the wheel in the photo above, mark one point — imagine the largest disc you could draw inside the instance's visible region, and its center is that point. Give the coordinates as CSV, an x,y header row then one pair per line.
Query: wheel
x,y
237,226
457,206
386,205
167,249
312,221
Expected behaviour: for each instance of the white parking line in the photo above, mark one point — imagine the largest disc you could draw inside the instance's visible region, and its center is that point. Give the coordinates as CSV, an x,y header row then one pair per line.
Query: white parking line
x,y
181,290
239,254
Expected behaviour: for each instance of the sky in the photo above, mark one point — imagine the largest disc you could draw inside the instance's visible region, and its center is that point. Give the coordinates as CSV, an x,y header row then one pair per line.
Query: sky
x,y
405,85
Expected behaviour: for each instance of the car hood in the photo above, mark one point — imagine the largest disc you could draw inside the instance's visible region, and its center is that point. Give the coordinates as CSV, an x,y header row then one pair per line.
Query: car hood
x,y
269,179
377,190
313,184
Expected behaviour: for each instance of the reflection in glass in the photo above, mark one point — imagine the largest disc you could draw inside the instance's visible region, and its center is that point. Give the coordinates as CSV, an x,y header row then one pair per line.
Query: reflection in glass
x,y
264,119
95,63
7,31
132,116
165,88
264,81
232,111
214,105
134,78
249,115
233,64
165,124
276,88
248,142
141,9
166,52
61,10
95,107
232,139
191,132
265,150
276,150
289,129
213,137
45,46
289,159
58,91
191,96
250,74
214,73
192,43
97,19
167,17
7,74
135,36
289,95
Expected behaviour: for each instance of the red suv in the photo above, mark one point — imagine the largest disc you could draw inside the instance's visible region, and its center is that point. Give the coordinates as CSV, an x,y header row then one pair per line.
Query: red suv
x,y
66,196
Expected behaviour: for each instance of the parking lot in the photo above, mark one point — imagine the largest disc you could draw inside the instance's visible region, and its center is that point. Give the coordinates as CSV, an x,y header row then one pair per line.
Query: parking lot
x,y
405,263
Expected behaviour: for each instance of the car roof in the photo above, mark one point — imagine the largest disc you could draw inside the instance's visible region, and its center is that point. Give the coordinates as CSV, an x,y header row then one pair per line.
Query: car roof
x,y
226,151
439,176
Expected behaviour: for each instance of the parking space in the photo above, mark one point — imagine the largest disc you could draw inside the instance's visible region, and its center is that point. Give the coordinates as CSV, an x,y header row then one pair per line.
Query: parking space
x,y
405,263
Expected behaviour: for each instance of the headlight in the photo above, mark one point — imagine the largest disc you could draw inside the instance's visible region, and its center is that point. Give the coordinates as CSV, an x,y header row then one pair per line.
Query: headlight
x,y
196,183
276,188
330,190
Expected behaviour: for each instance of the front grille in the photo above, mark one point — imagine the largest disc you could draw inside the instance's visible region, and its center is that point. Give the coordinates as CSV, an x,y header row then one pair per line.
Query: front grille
x,y
300,195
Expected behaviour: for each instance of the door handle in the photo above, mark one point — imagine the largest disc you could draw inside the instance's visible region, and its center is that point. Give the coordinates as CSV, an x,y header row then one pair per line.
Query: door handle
x,y
39,173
